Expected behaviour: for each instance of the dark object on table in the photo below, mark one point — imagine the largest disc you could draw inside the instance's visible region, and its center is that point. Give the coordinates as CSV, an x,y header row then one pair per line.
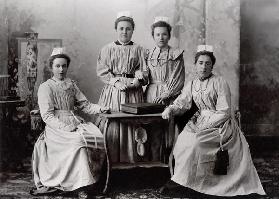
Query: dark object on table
x,y
221,163
142,108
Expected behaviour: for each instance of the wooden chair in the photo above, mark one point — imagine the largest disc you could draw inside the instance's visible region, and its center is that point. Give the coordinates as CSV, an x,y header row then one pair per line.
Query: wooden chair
x,y
37,123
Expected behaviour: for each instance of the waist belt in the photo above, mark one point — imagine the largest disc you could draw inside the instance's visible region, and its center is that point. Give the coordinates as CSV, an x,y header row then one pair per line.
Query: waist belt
x,y
124,75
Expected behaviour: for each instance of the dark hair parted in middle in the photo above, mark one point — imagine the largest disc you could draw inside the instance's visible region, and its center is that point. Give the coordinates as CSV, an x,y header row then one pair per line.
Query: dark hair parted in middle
x,y
161,24
129,19
52,58
209,54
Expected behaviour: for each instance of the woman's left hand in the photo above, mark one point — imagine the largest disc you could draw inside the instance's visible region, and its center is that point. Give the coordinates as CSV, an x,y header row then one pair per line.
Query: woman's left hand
x,y
138,75
160,100
105,109
167,114
134,84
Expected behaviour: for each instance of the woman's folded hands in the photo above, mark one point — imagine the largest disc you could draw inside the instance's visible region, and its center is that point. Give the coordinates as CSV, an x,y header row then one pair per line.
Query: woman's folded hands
x,y
134,84
120,86
123,87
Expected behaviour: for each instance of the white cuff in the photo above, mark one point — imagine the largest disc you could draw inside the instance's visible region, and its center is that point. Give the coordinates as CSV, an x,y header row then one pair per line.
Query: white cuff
x,y
113,80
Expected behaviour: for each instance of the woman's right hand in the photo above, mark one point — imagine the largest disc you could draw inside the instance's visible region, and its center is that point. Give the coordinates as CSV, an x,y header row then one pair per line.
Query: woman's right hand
x,y
105,109
70,128
167,113
120,86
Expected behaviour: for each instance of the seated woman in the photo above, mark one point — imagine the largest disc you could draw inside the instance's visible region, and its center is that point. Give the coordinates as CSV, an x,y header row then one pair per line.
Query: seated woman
x,y
165,66
211,153
68,155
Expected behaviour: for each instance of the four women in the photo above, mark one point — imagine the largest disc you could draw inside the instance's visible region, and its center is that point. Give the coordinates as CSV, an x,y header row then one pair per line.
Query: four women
x,y
68,155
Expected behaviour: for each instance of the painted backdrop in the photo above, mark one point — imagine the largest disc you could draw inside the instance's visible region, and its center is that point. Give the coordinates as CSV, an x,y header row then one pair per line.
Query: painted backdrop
x,y
86,25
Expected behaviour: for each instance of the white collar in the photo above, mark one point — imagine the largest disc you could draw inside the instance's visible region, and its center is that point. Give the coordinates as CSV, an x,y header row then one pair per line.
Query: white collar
x,y
123,44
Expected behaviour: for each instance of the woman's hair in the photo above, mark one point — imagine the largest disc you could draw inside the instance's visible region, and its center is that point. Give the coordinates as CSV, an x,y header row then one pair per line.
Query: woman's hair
x,y
129,19
209,54
52,58
161,24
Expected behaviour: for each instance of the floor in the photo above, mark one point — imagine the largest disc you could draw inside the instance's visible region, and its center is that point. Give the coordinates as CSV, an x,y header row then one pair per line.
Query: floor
x,y
140,182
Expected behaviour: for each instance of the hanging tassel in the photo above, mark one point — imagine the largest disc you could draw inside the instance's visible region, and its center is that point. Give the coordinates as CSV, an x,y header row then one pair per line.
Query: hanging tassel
x,y
222,159
221,162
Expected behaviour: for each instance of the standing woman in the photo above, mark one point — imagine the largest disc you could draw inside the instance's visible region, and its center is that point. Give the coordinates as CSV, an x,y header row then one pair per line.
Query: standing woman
x,y
211,153
66,156
118,64
165,65
166,76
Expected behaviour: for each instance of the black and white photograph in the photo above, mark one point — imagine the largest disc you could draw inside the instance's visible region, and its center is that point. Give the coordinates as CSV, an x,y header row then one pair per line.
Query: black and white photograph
x,y
139,99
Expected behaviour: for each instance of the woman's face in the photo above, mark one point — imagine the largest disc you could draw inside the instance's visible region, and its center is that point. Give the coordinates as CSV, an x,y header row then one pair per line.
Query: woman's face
x,y
161,36
124,31
59,68
204,66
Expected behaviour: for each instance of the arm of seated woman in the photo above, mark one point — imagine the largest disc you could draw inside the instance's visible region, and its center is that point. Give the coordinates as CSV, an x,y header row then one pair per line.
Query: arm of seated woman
x,y
167,113
105,109
216,120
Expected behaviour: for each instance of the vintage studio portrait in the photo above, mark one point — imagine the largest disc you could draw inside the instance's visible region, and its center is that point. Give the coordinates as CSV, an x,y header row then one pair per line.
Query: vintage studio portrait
x,y
139,99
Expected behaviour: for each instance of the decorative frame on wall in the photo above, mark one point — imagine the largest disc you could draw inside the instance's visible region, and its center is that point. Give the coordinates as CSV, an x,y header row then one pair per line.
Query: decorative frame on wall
x,y
45,47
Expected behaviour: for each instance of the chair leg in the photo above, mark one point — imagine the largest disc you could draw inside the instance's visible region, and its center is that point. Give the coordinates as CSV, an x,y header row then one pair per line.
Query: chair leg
x,y
171,163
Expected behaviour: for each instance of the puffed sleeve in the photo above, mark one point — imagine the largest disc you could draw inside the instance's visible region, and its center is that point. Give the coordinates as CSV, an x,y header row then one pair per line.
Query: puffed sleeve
x,y
184,101
104,68
83,104
176,80
46,105
223,105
